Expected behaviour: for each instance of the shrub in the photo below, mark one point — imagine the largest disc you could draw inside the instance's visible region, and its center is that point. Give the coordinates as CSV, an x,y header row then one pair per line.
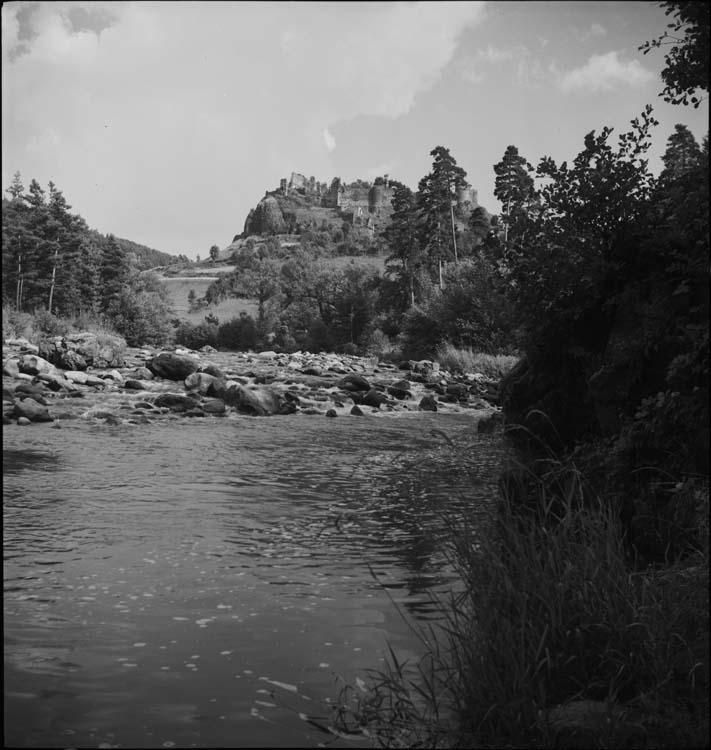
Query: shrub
x,y
16,324
493,366
47,324
196,336
238,334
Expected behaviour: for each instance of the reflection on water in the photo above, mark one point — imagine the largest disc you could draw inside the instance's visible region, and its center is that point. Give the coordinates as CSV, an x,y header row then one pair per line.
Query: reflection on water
x,y
206,584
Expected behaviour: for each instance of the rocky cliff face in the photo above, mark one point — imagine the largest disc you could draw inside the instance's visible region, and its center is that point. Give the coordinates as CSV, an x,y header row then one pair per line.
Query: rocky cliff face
x,y
267,218
300,204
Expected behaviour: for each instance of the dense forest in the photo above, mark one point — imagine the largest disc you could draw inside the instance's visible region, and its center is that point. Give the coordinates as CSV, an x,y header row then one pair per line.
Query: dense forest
x,y
54,264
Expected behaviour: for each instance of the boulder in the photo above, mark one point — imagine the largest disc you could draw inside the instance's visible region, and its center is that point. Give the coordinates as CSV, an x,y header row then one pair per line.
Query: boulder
x,y
176,401
428,403
213,370
459,390
76,376
77,351
23,345
32,364
134,385
424,366
331,413
214,406
11,368
353,382
400,390
258,401
141,373
23,390
356,411
199,381
54,382
374,398
32,410
172,366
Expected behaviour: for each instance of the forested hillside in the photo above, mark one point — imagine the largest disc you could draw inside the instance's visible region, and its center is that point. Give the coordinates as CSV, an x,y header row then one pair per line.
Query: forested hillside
x,y
52,261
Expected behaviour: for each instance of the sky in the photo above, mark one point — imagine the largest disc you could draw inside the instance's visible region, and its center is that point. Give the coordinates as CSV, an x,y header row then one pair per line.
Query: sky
x,y
166,122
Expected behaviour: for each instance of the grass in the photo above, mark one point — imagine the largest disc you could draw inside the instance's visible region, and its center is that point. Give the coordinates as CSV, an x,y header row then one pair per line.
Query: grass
x,y
42,324
556,640
458,360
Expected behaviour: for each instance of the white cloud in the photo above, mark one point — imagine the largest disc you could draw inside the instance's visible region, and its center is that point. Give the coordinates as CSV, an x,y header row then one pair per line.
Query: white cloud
x,y
597,30
329,140
195,96
605,73
470,67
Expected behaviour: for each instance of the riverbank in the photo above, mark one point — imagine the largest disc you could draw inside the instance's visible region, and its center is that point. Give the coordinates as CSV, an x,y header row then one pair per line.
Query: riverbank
x,y
559,639
143,384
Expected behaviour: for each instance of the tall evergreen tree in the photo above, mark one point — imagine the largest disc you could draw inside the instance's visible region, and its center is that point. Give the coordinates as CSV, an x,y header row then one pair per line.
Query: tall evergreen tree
x,y
682,155
514,187
436,198
16,189
402,236
114,272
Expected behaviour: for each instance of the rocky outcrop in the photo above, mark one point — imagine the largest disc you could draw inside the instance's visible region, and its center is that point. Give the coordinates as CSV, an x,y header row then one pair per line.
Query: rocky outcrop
x,y
77,351
266,218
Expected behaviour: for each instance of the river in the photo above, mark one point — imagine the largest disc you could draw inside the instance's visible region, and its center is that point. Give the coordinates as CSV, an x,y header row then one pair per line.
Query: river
x,y
208,583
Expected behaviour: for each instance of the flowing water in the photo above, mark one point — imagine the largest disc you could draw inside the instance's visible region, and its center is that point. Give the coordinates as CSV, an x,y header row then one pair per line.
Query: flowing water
x,y
193,583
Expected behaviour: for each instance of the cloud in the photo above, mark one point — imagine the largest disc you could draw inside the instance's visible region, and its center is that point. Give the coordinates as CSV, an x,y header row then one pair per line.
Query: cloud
x,y
329,140
196,95
605,73
597,30
470,66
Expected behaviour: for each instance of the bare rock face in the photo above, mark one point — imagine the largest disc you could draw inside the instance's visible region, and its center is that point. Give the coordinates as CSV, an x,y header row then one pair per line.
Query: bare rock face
x,y
266,218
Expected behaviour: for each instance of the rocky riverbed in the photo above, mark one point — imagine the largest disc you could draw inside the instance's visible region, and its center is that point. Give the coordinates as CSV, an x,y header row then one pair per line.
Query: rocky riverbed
x,y
76,380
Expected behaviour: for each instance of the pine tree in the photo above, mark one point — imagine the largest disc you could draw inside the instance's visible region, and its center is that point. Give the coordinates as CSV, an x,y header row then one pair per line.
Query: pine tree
x,y
114,272
682,154
436,199
514,187
16,189
402,237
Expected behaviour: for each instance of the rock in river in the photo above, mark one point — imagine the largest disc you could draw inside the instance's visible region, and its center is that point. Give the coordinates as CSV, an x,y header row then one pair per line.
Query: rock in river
x,y
173,366
30,409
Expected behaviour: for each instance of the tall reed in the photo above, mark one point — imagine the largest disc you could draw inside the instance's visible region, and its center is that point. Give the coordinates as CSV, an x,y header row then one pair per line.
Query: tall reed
x,y
555,640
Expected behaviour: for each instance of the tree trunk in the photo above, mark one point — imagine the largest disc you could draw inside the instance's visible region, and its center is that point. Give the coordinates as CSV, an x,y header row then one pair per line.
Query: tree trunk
x,y
454,234
54,275
18,294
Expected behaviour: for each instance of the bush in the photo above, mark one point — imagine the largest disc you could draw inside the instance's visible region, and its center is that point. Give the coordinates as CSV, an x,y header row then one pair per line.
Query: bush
x,y
238,334
196,336
493,366
16,324
422,334
47,324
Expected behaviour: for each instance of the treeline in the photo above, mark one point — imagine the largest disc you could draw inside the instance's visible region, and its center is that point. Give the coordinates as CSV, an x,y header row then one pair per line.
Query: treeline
x,y
52,261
